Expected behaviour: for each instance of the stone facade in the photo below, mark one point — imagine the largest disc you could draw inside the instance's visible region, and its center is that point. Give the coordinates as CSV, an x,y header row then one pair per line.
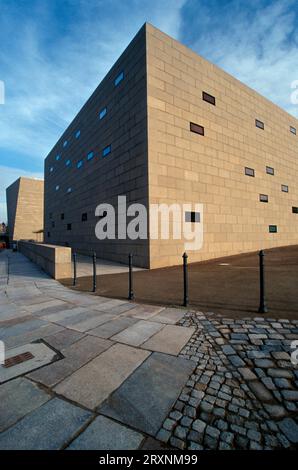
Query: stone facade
x,y
25,209
54,260
157,157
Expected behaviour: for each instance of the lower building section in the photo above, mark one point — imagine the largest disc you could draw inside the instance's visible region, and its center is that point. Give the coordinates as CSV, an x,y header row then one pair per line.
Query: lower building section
x,y
25,203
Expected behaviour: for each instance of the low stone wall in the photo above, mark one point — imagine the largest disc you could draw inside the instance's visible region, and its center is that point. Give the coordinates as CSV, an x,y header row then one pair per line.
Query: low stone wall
x,y
54,260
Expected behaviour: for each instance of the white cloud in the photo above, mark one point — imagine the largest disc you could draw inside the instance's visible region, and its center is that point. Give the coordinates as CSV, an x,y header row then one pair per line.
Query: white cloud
x,y
47,85
7,177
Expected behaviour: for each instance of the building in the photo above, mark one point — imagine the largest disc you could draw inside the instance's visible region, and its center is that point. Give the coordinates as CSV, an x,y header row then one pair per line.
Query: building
x,y
167,126
25,201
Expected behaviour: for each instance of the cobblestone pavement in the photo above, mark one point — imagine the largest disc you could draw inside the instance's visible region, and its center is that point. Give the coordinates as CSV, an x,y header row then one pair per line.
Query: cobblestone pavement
x,y
111,374
243,393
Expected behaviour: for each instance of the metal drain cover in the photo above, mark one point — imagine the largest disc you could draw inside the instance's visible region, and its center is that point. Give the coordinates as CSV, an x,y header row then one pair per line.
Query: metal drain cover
x,y
26,358
12,361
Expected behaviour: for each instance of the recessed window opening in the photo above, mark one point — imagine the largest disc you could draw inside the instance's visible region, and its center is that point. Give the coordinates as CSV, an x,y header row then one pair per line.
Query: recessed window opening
x,y
272,228
192,216
264,198
119,78
102,113
197,129
269,170
106,151
209,98
260,124
249,171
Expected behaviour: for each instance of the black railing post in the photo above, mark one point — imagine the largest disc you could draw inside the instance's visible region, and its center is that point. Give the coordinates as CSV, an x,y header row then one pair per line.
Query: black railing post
x,y
74,256
185,280
130,279
263,307
94,272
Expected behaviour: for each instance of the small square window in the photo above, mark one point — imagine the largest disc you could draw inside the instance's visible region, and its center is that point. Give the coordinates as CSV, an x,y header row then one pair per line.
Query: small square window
x,y
264,198
53,224
119,78
65,143
249,171
57,187
77,134
49,234
51,169
192,217
269,170
67,163
272,228
293,130
57,157
106,151
260,124
295,210
90,156
284,188
197,129
102,113
209,98
62,216
80,164
68,227
84,217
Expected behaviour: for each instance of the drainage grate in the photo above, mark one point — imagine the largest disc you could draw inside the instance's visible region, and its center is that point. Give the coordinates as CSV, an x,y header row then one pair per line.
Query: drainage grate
x,y
13,361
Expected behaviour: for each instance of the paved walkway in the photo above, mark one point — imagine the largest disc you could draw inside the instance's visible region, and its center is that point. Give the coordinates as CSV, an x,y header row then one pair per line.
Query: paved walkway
x,y
103,267
88,372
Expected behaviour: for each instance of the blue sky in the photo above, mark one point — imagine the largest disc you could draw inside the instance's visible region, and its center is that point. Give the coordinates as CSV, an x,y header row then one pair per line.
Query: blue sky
x,y
54,53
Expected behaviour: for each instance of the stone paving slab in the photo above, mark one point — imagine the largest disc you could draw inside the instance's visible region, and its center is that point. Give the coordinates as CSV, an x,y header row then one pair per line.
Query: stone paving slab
x,y
63,314
30,336
104,303
144,311
146,397
116,308
64,338
23,292
39,306
8,322
75,356
138,333
94,382
51,310
49,427
170,340
87,320
170,315
21,328
105,434
42,355
113,327
17,398
11,311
